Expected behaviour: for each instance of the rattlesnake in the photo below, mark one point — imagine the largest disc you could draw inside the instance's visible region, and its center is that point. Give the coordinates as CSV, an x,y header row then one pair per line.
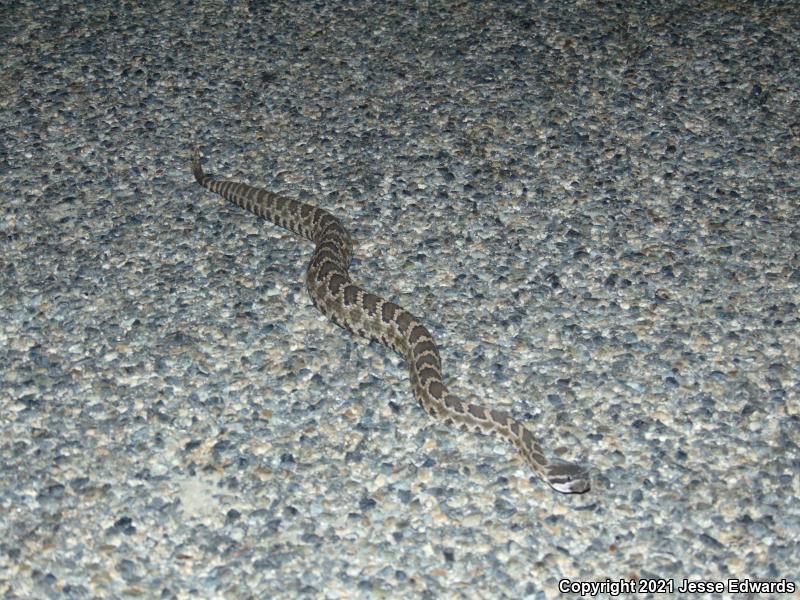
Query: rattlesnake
x,y
370,316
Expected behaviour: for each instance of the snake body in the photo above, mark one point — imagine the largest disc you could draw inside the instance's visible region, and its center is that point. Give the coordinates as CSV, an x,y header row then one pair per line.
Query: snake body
x,y
372,317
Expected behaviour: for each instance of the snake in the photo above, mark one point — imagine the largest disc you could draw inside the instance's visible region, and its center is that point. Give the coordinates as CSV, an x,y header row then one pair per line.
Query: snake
x,y
367,315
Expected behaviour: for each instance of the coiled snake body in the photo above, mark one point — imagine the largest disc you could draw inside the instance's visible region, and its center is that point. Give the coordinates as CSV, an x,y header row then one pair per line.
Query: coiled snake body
x,y
370,316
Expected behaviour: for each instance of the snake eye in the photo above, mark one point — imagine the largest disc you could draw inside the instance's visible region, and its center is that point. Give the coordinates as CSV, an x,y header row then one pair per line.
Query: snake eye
x,y
568,478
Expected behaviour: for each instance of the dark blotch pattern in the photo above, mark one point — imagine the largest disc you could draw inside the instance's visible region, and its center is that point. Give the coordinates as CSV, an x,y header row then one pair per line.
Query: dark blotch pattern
x,y
368,315
436,389
336,281
404,320
418,333
350,295
388,311
477,411
370,303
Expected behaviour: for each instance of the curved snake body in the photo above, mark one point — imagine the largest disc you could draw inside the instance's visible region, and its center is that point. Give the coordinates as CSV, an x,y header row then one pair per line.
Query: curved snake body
x,y
370,316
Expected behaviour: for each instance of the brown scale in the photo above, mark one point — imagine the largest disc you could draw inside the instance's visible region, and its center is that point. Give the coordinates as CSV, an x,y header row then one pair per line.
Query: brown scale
x,y
370,316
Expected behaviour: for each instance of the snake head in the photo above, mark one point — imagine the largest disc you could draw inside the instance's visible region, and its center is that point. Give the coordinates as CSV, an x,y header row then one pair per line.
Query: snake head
x,y
568,478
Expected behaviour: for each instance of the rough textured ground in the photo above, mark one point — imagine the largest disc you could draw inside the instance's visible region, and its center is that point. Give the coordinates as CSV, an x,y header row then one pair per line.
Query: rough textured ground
x,y
594,206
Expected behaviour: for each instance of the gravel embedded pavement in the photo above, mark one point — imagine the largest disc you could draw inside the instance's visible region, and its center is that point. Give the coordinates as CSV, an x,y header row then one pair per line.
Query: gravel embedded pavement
x,y
593,206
